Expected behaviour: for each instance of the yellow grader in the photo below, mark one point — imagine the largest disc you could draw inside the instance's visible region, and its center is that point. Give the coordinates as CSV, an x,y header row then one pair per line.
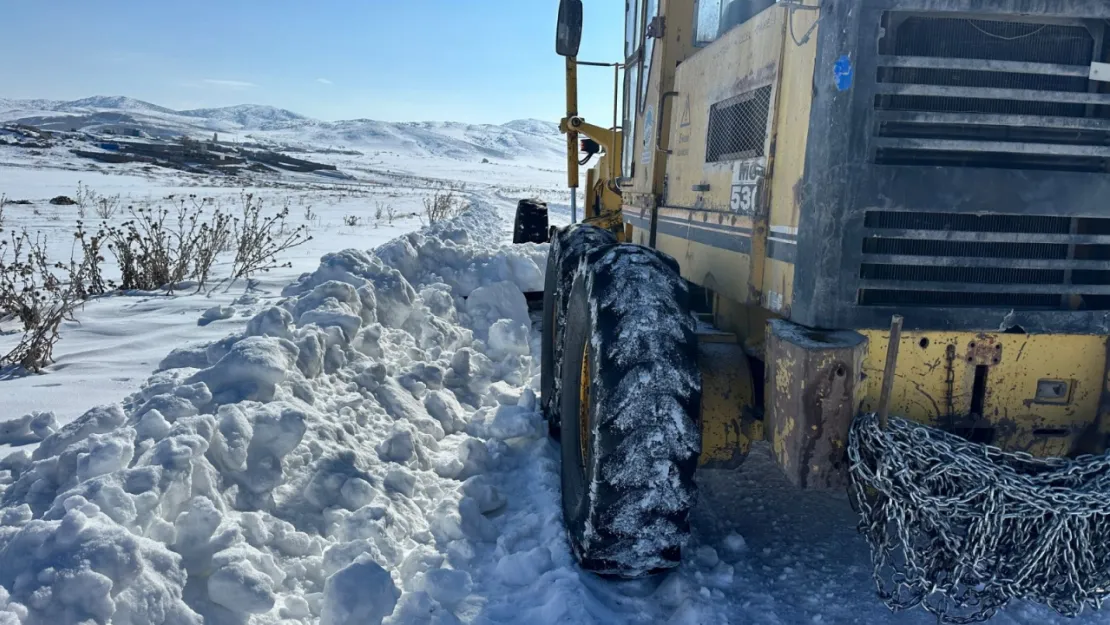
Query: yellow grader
x,y
816,212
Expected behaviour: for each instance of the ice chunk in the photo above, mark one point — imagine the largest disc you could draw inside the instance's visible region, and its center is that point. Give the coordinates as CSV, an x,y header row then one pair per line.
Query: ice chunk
x,y
470,457
444,408
512,422
505,393
30,428
216,313
397,448
485,494
395,297
250,370
357,492
341,294
735,544
706,557
400,481
362,593
439,301
418,608
310,352
500,300
332,304
508,338
189,357
86,568
197,394
447,586
351,266
295,608
106,453
241,588
98,420
524,567
171,406
274,321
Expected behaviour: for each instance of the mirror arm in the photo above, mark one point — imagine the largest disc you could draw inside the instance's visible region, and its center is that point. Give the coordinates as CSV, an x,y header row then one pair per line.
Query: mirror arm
x,y
572,112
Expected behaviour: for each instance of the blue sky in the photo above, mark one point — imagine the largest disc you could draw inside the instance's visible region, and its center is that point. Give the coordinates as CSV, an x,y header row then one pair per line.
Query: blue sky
x,y
481,61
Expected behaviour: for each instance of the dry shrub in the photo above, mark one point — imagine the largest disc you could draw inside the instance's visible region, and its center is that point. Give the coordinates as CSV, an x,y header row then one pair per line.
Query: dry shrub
x,y
156,248
442,205
32,292
258,240
155,252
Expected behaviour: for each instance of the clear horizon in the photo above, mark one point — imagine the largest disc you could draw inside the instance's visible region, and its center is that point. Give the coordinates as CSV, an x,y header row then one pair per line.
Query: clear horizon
x,y
489,61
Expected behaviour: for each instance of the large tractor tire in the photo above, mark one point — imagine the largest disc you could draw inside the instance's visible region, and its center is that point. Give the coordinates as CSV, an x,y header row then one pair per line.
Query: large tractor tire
x,y
568,247
530,225
630,396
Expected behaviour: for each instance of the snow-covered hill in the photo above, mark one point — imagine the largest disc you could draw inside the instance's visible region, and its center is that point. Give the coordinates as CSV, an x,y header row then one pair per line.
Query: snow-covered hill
x,y
247,115
523,139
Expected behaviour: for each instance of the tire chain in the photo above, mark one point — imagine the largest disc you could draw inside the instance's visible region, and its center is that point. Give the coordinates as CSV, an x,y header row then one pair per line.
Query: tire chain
x,y
961,528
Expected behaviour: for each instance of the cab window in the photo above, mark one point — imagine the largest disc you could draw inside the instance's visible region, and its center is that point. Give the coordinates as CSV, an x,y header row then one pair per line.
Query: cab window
x,y
717,17
633,37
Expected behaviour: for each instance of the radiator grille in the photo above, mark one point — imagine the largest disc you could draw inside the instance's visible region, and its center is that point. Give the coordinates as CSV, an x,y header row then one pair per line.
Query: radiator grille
x,y
929,259
967,92
738,126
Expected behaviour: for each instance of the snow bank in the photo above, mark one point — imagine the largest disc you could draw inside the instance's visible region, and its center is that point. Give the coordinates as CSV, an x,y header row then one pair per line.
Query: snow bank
x,y
325,465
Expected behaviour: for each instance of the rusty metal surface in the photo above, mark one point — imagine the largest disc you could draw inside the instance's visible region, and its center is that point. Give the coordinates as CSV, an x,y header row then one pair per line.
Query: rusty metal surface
x,y
1042,394
813,393
984,351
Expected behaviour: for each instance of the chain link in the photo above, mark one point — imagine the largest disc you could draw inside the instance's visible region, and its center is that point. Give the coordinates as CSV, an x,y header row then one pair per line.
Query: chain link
x,y
961,528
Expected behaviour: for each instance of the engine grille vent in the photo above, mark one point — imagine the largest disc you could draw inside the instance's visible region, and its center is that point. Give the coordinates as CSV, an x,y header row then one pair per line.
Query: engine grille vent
x,y
966,92
738,126
923,259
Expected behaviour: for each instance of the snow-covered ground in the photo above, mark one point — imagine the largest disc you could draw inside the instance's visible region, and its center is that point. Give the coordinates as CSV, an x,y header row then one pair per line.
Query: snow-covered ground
x,y
355,439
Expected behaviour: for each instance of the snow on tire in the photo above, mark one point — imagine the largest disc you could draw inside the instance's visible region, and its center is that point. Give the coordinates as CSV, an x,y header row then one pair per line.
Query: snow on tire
x,y
630,440
568,247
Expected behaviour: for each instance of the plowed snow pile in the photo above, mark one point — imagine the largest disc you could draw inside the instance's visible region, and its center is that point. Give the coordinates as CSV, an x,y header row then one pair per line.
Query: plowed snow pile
x,y
334,463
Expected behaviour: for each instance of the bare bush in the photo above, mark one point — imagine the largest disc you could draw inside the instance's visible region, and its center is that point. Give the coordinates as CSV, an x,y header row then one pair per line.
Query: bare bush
x,y
351,220
390,213
86,276
31,292
85,198
3,203
379,208
441,206
153,252
258,240
144,250
107,206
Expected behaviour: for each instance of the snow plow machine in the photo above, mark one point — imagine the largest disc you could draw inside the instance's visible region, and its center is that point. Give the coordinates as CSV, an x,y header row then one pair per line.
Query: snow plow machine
x,y
813,214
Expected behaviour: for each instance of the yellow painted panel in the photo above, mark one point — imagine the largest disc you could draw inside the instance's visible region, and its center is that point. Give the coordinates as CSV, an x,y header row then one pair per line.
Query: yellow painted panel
x,y
720,270
746,58
728,403
935,379
795,97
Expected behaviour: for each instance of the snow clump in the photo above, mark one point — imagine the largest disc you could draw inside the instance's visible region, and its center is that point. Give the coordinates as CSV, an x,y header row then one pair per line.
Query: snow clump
x,y
324,465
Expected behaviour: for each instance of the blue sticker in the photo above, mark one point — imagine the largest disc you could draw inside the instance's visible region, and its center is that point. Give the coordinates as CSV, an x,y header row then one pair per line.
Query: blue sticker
x,y
842,72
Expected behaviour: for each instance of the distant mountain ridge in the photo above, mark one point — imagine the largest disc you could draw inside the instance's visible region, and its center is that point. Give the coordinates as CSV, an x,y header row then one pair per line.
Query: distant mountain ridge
x,y
530,139
249,116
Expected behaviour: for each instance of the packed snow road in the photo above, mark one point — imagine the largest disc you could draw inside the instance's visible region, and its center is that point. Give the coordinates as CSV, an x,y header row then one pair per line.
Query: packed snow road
x,y
370,450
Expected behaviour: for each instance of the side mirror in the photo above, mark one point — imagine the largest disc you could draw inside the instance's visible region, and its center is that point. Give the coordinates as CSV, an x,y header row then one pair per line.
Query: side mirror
x,y
568,35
